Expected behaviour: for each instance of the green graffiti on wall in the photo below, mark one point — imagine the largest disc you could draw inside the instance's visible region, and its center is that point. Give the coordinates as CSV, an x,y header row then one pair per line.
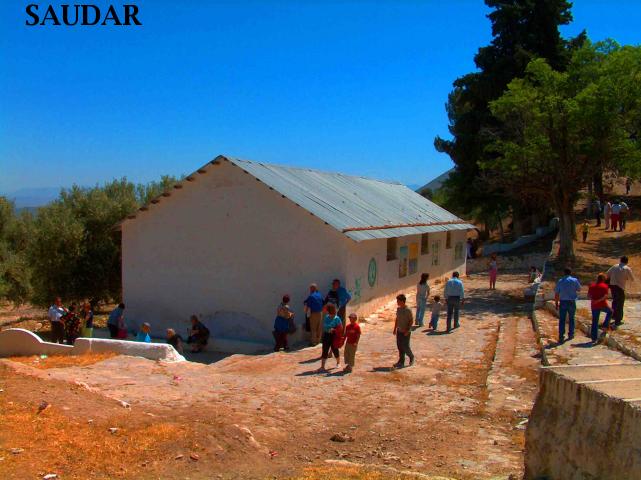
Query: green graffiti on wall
x,y
356,294
371,272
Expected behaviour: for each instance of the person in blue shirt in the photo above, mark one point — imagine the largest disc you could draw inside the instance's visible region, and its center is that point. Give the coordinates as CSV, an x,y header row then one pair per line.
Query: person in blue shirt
x,y
332,328
340,297
455,298
116,320
565,294
143,334
314,304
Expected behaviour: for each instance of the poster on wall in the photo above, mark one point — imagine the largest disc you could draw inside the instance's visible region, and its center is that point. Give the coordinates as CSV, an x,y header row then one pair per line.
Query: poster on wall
x,y
436,246
413,262
402,262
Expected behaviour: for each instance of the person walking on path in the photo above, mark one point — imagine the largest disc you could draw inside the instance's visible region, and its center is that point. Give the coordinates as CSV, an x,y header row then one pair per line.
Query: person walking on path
x,y
352,336
585,229
598,295
331,325
116,320
628,185
607,212
422,293
340,297
403,331
87,320
619,275
565,294
55,314
284,315
454,298
436,312
314,303
614,215
493,267
623,215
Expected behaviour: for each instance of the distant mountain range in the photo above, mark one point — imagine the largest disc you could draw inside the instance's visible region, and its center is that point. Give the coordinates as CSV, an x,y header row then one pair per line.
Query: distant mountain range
x,y
32,198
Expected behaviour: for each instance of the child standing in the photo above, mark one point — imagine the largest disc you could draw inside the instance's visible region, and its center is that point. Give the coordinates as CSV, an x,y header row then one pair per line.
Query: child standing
x,y
331,324
585,229
353,334
87,316
494,270
436,311
143,334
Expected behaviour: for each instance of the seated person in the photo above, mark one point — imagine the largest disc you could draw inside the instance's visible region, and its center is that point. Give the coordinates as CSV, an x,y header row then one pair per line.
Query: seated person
x,y
71,322
143,334
198,335
175,340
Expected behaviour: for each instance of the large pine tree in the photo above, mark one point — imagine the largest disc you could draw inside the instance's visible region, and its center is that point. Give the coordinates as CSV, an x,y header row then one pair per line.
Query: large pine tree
x,y
522,30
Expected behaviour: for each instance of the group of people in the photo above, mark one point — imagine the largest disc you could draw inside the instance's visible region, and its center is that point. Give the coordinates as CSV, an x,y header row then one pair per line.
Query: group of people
x,y
615,215
67,324
613,282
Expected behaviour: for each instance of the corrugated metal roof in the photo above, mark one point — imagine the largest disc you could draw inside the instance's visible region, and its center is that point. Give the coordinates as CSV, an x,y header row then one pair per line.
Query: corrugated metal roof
x,y
355,205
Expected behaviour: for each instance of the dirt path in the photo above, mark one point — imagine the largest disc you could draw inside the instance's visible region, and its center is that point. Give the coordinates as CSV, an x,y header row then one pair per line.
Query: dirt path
x,y
456,412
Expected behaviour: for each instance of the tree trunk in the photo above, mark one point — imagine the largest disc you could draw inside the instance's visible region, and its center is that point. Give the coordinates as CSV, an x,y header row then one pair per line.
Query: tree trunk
x,y
567,231
498,217
598,184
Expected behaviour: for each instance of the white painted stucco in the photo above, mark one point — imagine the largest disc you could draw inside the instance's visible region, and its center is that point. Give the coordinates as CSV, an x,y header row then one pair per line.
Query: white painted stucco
x,y
226,247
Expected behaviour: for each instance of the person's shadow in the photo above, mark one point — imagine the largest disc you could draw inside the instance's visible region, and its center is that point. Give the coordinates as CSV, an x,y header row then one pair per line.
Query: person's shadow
x,y
310,360
433,332
383,369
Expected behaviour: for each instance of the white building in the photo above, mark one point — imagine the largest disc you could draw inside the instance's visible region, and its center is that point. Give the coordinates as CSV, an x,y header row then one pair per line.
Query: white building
x,y
229,240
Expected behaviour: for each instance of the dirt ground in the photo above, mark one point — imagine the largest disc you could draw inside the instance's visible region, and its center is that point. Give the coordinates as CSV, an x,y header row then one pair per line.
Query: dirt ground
x,y
459,412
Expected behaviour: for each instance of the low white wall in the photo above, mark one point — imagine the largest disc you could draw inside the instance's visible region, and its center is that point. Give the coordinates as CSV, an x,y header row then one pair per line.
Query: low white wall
x,y
17,342
491,248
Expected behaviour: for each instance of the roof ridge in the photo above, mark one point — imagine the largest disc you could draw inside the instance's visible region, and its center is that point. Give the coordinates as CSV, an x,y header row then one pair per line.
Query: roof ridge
x,y
316,170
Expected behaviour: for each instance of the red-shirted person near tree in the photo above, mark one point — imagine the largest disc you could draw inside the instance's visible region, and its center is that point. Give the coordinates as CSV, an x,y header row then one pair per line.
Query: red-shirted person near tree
x,y
598,294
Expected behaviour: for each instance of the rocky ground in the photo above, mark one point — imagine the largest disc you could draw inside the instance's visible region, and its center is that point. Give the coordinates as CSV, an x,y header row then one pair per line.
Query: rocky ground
x,y
459,412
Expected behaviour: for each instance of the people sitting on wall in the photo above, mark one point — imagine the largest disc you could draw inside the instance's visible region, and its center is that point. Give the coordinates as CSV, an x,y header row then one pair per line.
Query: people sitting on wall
x,y
143,333
72,324
283,324
198,335
116,321
175,340
87,320
340,297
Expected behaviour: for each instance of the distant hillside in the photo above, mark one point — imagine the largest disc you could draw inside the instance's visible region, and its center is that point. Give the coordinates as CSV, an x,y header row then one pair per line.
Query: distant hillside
x,y
31,198
436,183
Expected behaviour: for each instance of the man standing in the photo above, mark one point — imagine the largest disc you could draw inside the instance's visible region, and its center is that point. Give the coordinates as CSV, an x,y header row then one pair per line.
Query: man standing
x,y
455,298
403,331
55,314
340,297
615,211
623,215
619,276
565,295
314,303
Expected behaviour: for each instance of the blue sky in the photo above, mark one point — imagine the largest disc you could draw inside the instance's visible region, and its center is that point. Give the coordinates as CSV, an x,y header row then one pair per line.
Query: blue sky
x,y
357,87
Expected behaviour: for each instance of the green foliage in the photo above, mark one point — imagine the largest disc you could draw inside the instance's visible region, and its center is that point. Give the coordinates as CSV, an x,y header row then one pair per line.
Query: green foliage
x,y
522,30
71,248
559,128
15,273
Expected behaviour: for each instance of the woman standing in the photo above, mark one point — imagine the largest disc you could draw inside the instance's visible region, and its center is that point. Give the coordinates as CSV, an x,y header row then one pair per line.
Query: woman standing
x,y
332,327
284,316
422,293
607,211
87,320
493,270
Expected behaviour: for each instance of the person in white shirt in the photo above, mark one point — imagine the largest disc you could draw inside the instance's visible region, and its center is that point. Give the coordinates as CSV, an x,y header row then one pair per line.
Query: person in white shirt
x,y
422,292
55,313
619,275
607,211
455,298
623,215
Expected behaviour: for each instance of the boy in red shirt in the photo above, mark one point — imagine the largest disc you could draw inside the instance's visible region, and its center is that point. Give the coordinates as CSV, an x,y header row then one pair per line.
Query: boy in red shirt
x,y
353,334
598,294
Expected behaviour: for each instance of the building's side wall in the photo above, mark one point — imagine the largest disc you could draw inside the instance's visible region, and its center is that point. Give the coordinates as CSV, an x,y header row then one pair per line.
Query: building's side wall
x,y
226,248
439,262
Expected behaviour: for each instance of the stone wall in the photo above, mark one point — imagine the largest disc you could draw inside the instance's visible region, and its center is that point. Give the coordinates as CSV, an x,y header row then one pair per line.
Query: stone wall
x,y
508,263
586,424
